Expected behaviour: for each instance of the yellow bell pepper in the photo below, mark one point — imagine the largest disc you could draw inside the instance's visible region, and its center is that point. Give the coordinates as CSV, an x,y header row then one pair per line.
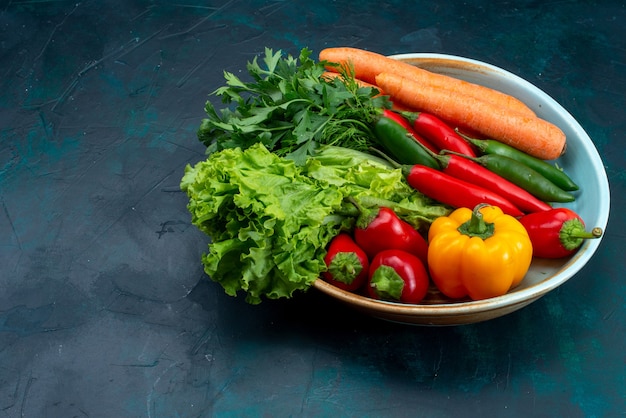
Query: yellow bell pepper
x,y
480,253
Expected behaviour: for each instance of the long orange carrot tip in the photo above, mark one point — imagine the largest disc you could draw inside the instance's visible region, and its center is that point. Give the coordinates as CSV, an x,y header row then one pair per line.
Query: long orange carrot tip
x,y
530,134
367,65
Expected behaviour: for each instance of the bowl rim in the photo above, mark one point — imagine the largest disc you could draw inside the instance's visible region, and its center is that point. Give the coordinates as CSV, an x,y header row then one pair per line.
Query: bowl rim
x,y
519,297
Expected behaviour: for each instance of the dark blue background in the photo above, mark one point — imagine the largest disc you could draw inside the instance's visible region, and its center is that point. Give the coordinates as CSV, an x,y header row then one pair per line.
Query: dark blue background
x,y
104,308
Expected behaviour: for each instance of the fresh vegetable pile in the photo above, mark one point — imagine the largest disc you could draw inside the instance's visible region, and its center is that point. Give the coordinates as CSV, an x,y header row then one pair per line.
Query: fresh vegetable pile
x,y
361,170
270,220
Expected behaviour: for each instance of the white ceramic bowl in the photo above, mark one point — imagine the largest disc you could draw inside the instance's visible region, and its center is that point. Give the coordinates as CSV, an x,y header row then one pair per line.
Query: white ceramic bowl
x,y
581,161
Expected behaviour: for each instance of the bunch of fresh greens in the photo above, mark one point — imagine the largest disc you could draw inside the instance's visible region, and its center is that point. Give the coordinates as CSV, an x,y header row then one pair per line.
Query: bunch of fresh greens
x,y
270,219
291,108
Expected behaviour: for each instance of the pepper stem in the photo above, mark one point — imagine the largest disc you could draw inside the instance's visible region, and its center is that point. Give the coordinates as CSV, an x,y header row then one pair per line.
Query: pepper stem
x,y
390,160
573,233
476,225
366,214
474,141
477,160
410,116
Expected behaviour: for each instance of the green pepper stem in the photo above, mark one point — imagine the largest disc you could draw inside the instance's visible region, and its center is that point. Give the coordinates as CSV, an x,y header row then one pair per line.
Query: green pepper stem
x,y
390,160
476,225
573,233
594,233
477,160
410,116
442,159
464,136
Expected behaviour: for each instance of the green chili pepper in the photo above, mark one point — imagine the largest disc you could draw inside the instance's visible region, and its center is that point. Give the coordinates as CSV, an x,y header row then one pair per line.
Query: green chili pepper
x,y
524,176
549,171
400,144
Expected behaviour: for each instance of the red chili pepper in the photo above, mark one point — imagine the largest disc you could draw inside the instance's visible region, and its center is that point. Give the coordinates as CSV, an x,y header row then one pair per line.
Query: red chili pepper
x,y
398,276
455,192
557,233
465,169
347,263
383,230
438,132
406,125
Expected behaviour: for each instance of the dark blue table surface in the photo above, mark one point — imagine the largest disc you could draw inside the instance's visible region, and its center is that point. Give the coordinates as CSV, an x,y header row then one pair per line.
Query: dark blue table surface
x,y
104,308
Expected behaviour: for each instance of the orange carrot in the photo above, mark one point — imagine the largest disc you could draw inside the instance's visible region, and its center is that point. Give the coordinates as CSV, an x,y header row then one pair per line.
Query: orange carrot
x,y
367,65
530,134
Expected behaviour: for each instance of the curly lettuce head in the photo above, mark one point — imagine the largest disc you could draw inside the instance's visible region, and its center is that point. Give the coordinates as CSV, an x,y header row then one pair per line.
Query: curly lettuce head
x,y
269,224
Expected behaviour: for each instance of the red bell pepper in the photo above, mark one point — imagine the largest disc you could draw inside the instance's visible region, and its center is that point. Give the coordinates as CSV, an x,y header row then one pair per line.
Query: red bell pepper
x,y
380,230
397,276
556,233
347,264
